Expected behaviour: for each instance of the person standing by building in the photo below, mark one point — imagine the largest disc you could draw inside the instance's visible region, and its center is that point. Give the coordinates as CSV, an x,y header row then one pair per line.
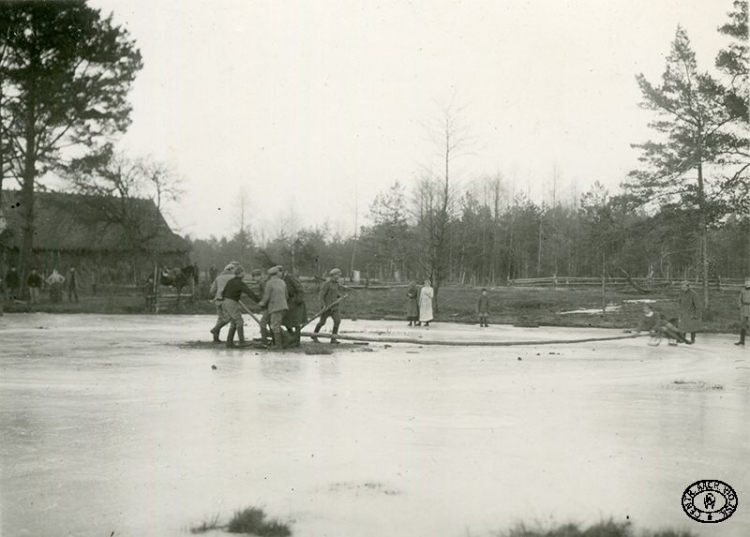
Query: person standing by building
x,y
330,292
744,304
71,284
426,295
483,308
216,290
34,282
230,296
12,281
55,282
296,317
274,300
412,307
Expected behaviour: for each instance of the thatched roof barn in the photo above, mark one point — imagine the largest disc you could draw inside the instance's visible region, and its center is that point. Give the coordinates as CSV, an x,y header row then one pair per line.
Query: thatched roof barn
x,y
114,239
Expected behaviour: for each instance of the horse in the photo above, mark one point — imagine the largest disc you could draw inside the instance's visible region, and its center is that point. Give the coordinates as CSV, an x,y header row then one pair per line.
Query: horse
x,y
179,277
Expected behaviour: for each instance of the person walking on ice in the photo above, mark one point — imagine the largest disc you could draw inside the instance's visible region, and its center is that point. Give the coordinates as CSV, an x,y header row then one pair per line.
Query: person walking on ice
x,y
217,290
426,295
274,301
330,292
690,312
231,304
483,308
744,304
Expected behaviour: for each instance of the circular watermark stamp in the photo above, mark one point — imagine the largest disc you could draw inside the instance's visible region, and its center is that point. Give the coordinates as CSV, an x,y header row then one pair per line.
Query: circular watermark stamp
x,y
709,501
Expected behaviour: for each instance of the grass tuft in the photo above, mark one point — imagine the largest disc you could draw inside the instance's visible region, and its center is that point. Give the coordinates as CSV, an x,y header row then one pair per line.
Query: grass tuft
x,y
602,529
253,521
212,523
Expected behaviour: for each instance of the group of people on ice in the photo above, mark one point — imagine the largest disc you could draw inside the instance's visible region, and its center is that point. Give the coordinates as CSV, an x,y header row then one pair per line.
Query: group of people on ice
x,y
689,319
419,305
281,299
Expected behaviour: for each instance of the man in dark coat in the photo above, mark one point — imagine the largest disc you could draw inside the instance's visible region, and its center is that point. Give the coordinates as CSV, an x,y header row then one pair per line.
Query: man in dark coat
x,y
690,312
230,301
11,283
34,283
296,316
744,304
412,308
71,285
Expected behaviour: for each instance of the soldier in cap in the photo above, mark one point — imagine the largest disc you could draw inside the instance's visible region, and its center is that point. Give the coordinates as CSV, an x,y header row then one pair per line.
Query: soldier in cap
x,y
690,312
230,296
330,291
744,303
217,288
297,314
274,300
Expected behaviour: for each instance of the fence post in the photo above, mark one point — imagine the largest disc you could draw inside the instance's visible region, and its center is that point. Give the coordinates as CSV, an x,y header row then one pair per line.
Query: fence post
x,y
156,290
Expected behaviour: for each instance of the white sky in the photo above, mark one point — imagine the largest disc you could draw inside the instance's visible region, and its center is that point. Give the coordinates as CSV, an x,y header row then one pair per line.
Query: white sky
x,y
306,102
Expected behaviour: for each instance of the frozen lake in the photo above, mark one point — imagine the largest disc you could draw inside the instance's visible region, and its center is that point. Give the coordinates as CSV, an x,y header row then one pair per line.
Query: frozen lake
x,y
109,425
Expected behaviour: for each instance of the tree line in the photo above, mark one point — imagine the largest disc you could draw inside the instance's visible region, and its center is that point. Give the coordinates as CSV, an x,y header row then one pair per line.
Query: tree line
x,y
683,213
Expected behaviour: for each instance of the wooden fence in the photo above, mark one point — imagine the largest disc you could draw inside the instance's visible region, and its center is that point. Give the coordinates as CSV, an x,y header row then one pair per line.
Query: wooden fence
x,y
718,284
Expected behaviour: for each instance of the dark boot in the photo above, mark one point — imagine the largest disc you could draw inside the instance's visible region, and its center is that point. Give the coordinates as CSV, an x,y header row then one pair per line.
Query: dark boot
x,y
317,329
418,323
215,333
741,342
411,323
278,339
692,337
335,341
241,335
230,337
264,335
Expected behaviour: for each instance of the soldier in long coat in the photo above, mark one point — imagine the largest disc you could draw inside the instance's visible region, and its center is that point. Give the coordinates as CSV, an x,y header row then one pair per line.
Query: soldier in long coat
x,y
412,308
275,301
744,304
296,316
690,312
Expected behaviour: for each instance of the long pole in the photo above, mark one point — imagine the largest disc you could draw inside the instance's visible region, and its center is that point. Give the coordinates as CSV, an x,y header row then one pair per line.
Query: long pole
x,y
250,313
321,312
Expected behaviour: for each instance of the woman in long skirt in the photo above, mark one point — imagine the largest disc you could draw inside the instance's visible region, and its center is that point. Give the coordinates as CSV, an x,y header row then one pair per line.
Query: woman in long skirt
x,y
425,303
412,307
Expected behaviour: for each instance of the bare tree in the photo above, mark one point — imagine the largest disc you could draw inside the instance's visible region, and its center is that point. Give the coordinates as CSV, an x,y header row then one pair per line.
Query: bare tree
x,y
435,198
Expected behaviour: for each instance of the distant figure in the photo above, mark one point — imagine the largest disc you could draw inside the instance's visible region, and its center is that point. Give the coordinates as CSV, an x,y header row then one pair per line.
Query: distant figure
x,y
296,316
72,285
12,281
231,303
213,272
412,307
217,290
690,312
274,301
744,304
55,282
426,295
330,292
483,308
34,283
148,293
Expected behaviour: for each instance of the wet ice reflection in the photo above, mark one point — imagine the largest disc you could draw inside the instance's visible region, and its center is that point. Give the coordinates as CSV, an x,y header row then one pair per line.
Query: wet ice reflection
x,y
108,425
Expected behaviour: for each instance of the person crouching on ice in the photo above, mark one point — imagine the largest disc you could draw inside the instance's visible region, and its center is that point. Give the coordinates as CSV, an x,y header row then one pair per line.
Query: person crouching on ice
x,y
744,303
274,300
231,304
330,292
653,323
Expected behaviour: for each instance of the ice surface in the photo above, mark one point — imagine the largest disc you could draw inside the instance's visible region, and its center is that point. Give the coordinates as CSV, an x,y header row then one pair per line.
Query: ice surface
x,y
108,424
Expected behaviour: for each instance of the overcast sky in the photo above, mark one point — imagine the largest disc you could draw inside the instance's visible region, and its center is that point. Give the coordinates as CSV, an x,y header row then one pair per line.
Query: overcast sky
x,y
306,103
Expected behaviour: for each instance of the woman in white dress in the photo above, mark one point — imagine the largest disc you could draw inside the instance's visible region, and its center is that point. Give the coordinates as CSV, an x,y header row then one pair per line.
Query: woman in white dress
x,y
426,294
